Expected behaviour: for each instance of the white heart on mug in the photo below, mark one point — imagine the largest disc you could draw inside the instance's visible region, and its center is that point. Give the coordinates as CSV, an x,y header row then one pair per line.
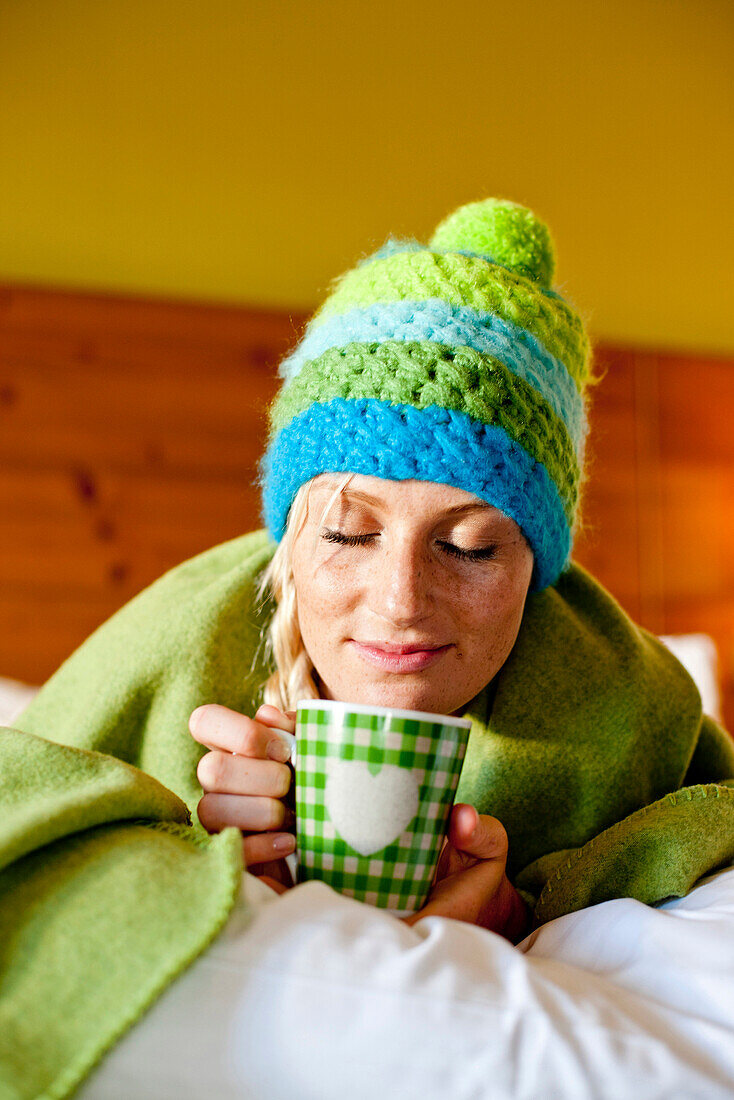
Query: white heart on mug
x,y
369,811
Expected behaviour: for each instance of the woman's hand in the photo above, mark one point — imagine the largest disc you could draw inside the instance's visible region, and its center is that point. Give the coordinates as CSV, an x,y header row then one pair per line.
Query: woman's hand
x,y
247,783
471,884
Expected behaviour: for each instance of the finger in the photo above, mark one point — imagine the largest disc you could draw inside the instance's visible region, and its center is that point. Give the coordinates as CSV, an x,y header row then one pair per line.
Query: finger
x,y
451,861
469,895
218,727
273,871
278,870
271,882
463,821
442,863
270,716
477,835
227,773
256,814
264,847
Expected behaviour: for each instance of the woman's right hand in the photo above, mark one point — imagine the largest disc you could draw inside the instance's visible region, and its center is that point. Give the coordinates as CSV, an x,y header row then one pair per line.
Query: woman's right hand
x,y
246,782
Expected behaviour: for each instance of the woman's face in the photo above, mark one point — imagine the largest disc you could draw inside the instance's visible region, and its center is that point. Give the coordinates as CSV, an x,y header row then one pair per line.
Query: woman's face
x,y
410,594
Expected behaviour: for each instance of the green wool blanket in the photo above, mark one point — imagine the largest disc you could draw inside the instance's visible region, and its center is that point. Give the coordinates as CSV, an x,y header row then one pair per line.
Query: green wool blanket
x,y
589,746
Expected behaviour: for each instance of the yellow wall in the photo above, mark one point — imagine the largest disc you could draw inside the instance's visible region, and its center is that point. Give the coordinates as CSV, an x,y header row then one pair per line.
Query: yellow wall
x,y
249,152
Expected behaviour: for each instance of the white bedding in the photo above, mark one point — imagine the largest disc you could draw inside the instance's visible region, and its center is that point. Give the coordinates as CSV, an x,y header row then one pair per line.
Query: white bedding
x,y
322,998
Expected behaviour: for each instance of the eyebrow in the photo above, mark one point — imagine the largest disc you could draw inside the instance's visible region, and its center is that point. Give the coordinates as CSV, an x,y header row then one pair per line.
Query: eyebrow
x,y
457,509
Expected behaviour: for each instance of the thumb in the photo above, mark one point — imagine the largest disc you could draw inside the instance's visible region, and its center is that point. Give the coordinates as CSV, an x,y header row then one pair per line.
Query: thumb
x,y
477,835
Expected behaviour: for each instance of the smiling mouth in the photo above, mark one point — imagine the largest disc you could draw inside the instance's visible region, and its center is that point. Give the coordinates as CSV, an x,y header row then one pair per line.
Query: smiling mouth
x,y
399,658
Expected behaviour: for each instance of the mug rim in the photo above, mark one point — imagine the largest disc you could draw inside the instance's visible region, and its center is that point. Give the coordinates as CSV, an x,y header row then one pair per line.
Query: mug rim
x,y
398,712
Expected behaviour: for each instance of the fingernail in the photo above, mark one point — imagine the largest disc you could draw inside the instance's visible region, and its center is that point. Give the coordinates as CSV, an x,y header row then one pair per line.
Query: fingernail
x,y
284,844
278,750
194,718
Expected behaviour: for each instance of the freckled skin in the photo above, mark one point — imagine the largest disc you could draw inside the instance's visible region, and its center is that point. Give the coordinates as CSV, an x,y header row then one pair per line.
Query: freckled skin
x,y
403,587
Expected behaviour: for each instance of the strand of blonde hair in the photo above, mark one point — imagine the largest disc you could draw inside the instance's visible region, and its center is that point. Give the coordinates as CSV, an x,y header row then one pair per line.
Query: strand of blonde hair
x,y
294,677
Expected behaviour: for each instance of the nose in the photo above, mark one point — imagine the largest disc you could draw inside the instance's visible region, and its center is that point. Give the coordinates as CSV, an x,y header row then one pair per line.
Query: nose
x,y
401,588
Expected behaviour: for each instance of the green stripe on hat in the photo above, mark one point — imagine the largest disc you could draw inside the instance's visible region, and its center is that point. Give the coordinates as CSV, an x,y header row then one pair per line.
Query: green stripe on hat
x,y
466,281
427,373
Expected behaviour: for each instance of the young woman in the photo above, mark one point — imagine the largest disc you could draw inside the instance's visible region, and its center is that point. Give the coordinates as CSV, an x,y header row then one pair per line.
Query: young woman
x,y
422,478
411,596
422,483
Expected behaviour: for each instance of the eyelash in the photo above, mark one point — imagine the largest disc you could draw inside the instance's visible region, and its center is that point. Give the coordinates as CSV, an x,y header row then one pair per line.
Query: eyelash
x,y
484,554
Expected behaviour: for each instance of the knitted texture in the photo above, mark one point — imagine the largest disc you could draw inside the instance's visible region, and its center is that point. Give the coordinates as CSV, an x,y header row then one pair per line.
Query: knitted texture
x,y
452,327
430,374
454,362
389,441
465,281
512,237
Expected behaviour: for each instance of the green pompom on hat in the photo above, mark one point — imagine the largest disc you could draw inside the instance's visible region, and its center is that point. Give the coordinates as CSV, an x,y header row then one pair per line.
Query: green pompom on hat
x,y
508,233
453,362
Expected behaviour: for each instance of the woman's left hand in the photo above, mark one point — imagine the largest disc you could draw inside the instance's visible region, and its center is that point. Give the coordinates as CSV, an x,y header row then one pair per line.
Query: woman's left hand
x,y
471,883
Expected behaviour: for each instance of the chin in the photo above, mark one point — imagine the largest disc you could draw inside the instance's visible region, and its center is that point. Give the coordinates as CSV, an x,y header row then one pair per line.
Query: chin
x,y
405,696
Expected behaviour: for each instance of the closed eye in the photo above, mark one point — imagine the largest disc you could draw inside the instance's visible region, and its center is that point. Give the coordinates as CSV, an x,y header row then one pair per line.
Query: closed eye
x,y
482,554
348,540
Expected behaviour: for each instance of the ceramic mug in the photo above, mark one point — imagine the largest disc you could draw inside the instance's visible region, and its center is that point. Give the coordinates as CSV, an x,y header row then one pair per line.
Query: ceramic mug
x,y
374,790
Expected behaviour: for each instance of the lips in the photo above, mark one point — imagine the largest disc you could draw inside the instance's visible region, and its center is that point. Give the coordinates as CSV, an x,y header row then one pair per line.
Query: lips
x,y
399,658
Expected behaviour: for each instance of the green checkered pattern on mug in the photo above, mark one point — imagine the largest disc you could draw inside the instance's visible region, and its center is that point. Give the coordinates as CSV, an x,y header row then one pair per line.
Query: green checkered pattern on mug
x,y
368,830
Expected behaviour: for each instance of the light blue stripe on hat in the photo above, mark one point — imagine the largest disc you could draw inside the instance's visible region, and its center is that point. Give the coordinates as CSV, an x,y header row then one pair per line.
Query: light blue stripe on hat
x,y
401,442
452,326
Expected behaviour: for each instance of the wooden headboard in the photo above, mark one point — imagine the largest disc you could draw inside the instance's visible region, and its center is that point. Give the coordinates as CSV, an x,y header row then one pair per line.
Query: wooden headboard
x,y
131,431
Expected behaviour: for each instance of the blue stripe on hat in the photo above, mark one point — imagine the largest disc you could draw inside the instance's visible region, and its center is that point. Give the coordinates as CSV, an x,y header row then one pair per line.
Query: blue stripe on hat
x,y
451,326
400,442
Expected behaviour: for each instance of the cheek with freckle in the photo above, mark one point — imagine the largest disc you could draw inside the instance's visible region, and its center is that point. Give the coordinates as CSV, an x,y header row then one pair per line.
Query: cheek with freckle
x,y
480,613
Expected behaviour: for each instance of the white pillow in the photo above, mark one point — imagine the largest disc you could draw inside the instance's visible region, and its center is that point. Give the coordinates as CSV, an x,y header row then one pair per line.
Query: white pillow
x,y
697,653
14,698
320,998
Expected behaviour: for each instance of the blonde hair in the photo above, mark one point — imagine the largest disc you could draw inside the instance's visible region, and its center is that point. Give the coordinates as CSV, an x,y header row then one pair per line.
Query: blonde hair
x,y
294,677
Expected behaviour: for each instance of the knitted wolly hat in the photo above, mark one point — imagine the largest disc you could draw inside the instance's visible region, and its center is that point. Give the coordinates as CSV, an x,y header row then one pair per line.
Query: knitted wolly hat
x,y
453,363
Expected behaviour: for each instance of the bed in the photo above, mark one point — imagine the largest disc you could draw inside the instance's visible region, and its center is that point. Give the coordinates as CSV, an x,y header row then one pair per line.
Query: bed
x,y
131,433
